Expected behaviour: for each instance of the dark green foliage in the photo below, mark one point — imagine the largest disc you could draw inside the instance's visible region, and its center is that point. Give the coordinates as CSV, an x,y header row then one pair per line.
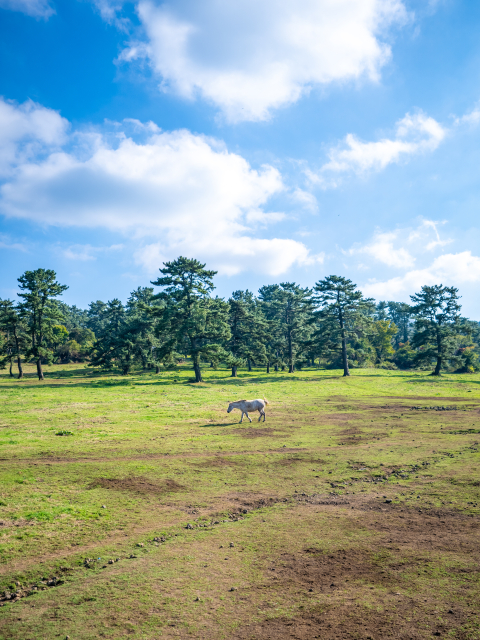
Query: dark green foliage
x,y
14,339
437,325
120,343
405,357
288,309
40,312
400,314
73,317
96,318
195,323
343,314
286,326
248,331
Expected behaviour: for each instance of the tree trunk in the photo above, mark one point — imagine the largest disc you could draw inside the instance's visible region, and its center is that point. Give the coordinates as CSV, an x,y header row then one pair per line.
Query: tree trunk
x,y
40,370
196,368
234,371
276,367
249,362
11,366
439,356
157,369
290,353
198,372
268,367
438,367
20,370
346,371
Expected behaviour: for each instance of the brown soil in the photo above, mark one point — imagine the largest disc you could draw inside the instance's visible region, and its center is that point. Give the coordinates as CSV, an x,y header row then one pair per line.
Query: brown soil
x,y
432,529
402,620
136,484
350,431
49,460
258,432
347,575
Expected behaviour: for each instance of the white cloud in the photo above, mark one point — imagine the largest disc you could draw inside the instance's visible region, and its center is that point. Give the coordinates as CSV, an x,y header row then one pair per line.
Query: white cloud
x,y
422,234
34,8
85,252
272,257
402,248
471,118
251,56
383,250
26,130
110,11
7,243
414,134
451,269
306,199
186,193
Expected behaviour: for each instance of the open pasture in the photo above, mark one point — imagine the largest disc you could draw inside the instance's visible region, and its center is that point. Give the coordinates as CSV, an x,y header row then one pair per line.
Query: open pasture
x,y
136,507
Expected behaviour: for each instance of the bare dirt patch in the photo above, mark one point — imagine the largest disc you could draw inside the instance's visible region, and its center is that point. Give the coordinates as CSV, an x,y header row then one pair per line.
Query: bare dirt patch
x,y
432,529
258,432
343,576
351,431
402,621
136,484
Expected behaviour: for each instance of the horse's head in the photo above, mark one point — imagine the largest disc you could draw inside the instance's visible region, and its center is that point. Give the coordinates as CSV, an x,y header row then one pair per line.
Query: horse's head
x,y
229,407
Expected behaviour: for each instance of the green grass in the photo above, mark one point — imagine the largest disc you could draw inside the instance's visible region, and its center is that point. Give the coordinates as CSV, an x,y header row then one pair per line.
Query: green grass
x,y
93,467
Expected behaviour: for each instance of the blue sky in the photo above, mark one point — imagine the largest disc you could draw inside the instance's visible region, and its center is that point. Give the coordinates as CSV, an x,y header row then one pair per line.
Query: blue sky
x,y
275,141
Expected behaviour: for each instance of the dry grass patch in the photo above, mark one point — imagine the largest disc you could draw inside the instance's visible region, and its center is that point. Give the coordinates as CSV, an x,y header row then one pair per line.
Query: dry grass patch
x,y
136,484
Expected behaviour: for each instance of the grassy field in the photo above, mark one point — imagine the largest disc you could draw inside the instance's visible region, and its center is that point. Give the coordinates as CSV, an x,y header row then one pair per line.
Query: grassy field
x,y
136,507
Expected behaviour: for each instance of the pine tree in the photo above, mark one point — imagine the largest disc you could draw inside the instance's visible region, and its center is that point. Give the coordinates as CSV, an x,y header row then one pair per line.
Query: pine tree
x,y
343,312
40,312
289,308
247,329
139,311
197,324
437,323
400,314
123,338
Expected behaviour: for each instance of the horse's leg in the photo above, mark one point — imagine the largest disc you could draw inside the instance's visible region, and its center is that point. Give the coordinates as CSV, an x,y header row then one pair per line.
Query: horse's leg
x,y
246,413
241,420
264,415
260,416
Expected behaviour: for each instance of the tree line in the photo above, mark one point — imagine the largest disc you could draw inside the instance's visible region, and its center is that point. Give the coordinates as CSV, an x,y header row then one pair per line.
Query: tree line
x,y
284,327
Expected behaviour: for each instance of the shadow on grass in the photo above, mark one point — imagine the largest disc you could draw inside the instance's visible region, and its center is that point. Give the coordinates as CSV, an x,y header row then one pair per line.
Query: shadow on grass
x,y
217,424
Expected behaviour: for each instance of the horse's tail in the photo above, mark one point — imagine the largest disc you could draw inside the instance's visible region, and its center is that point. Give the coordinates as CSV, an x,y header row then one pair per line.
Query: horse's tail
x,y
266,401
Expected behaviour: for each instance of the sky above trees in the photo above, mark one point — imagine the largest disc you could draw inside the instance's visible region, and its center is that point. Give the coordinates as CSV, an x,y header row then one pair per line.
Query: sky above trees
x,y
274,141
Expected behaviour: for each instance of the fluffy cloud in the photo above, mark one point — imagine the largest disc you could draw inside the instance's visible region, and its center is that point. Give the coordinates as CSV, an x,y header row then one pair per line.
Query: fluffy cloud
x,y
452,269
414,134
272,257
383,250
470,118
401,248
26,131
34,8
174,192
251,56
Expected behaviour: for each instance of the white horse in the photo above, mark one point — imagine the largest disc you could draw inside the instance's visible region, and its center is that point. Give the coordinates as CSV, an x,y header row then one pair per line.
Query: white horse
x,y
249,405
